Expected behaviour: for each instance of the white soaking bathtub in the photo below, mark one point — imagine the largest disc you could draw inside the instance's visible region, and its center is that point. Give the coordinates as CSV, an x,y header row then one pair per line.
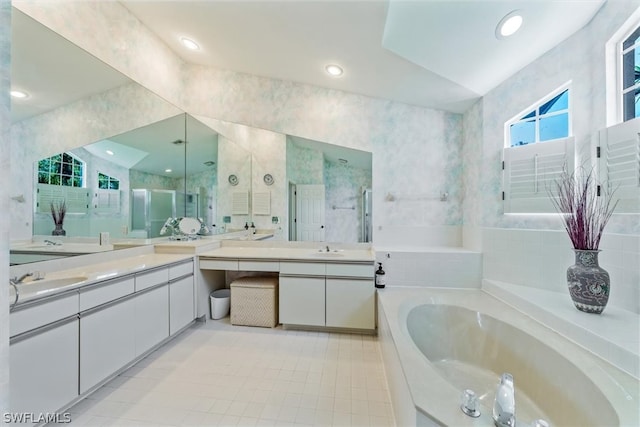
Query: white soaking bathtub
x,y
438,342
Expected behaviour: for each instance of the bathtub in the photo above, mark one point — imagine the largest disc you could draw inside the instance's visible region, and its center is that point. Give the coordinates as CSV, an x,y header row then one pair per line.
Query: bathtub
x,y
438,342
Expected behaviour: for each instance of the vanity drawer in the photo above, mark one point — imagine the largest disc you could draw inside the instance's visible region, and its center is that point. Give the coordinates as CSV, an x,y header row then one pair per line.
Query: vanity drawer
x,y
258,265
29,317
180,270
152,278
350,270
105,292
303,268
219,264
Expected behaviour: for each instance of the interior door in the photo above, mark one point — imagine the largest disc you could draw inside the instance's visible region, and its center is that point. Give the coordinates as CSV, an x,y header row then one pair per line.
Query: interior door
x,y
310,213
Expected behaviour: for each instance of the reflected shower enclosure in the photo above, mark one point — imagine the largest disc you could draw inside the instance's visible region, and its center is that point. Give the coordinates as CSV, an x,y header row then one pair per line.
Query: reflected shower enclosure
x,y
365,221
151,208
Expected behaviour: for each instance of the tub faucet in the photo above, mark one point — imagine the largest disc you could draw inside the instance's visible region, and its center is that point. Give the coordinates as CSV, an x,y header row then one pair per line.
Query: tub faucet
x,y
504,405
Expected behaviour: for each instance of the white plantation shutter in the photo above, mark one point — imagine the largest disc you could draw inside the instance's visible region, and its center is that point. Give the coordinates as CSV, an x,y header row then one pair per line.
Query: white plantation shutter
x,y
76,198
620,164
107,201
530,171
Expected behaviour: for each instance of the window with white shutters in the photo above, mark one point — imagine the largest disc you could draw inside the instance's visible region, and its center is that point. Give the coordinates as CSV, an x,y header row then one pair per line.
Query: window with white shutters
x,y
106,201
75,198
619,164
529,174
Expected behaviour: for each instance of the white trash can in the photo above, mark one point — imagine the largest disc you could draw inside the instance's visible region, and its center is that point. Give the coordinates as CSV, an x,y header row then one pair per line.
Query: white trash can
x,y
220,303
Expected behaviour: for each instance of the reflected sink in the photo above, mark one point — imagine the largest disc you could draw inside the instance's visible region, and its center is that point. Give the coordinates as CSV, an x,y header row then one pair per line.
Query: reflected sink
x,y
54,283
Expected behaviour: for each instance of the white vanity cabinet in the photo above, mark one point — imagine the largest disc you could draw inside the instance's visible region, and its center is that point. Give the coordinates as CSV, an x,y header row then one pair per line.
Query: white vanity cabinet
x,y
350,303
301,300
337,295
43,368
182,308
151,318
107,341
66,345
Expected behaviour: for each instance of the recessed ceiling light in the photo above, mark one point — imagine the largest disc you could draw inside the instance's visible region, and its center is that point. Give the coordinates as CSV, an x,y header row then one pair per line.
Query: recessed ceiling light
x,y
509,25
168,170
109,152
189,44
19,94
333,70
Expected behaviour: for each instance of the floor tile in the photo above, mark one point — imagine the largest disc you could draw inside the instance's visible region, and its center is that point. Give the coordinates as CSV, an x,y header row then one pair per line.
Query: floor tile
x,y
215,374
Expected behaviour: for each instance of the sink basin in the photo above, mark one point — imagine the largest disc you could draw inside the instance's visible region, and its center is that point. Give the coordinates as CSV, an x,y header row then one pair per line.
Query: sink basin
x,y
55,283
328,254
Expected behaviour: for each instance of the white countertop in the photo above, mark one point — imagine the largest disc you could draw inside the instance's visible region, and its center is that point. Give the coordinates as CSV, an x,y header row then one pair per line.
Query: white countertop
x,y
65,280
289,253
64,248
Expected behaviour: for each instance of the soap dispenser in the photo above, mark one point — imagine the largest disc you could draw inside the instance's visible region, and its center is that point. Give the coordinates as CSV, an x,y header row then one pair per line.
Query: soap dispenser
x,y
253,226
246,225
380,279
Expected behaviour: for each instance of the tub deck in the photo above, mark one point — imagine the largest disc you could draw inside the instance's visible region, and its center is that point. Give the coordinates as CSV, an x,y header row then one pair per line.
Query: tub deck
x,y
423,396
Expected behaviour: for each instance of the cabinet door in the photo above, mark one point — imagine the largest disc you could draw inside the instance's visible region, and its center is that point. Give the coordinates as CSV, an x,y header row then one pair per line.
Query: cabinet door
x,y
152,318
181,305
301,300
44,369
107,342
351,303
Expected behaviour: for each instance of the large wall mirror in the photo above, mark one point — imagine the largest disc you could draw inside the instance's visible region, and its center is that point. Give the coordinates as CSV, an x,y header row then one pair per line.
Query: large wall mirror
x,y
129,184
301,189
79,110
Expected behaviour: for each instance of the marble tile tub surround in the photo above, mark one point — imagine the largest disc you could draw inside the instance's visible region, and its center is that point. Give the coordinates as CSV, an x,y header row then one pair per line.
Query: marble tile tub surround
x,y
614,336
539,259
446,267
5,203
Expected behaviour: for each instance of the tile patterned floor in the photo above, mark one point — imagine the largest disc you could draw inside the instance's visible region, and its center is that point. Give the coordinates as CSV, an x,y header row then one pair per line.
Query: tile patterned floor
x,y
216,374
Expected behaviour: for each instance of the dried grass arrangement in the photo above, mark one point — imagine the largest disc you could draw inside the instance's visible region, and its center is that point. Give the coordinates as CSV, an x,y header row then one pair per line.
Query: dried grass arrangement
x,y
58,212
586,207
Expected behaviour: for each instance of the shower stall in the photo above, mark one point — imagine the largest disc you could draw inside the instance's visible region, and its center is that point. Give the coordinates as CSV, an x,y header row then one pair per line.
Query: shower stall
x,y
151,208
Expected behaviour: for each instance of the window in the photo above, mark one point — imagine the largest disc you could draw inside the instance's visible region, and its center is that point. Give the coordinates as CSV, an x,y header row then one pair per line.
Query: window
x,y
529,174
619,163
631,76
106,182
549,119
530,168
61,169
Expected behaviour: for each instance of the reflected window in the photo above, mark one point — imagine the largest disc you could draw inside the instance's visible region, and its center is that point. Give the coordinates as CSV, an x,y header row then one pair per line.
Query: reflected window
x,y
106,182
62,169
631,76
549,119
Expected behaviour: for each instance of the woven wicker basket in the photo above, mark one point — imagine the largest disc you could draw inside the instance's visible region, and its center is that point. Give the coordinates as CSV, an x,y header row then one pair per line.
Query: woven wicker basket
x,y
254,301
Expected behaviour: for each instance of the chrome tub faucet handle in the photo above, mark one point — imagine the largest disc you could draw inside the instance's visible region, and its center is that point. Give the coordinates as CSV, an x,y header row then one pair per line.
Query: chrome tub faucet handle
x,y
504,405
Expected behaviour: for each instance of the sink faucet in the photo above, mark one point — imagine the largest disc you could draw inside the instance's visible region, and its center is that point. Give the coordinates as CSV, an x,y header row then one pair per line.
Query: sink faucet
x,y
17,280
504,405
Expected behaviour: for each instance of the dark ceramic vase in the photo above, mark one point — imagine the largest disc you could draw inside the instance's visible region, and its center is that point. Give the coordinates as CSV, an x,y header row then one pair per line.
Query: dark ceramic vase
x,y
588,283
59,231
